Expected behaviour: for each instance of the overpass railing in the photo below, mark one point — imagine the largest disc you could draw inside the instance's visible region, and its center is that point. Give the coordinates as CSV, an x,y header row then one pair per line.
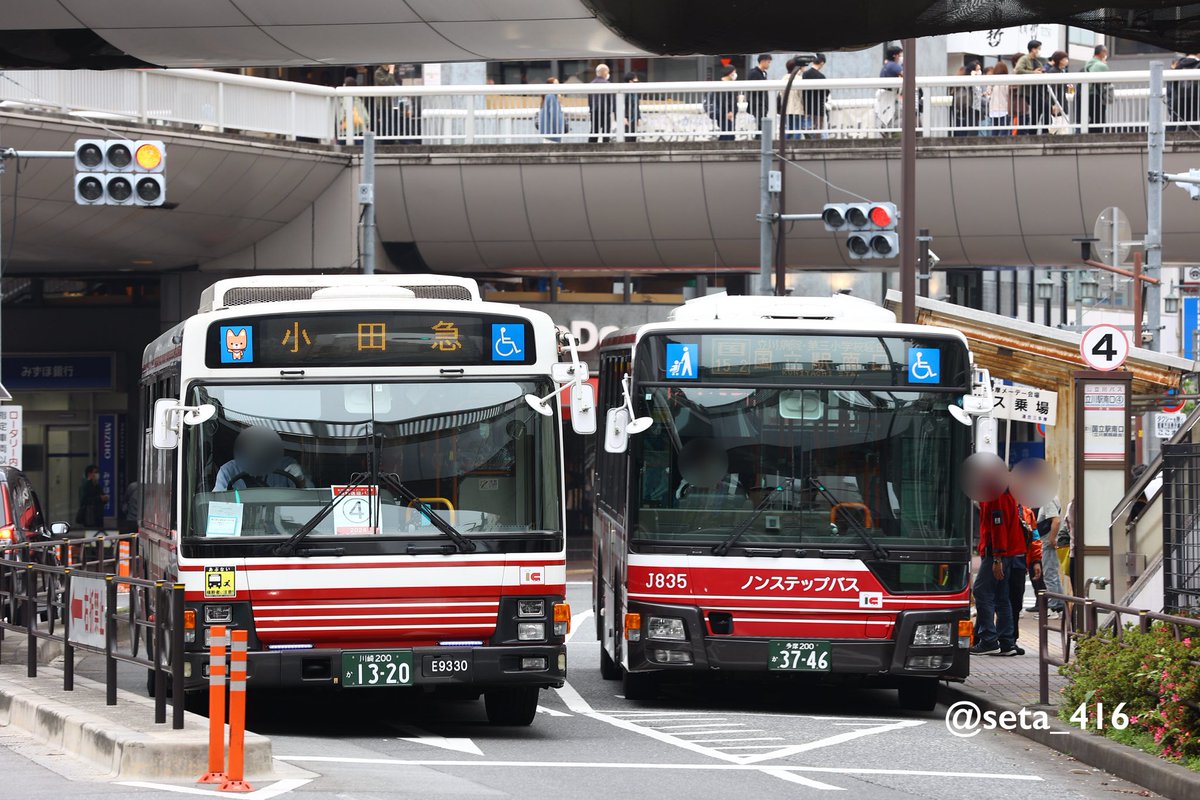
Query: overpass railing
x,y
857,108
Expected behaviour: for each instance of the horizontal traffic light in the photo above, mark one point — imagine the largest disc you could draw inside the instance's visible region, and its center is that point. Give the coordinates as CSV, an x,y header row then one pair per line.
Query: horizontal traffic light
x,y
120,172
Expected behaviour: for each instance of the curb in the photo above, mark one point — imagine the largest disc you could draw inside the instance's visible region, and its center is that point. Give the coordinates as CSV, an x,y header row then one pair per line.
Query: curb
x,y
1159,776
120,751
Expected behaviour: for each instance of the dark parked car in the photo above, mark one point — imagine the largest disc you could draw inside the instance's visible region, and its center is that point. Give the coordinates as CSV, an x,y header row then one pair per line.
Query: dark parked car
x,y
21,522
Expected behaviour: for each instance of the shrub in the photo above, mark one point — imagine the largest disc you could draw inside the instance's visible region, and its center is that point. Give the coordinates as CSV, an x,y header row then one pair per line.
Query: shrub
x,y
1152,674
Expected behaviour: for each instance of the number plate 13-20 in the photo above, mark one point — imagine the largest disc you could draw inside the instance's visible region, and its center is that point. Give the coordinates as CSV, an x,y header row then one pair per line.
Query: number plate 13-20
x,y
377,668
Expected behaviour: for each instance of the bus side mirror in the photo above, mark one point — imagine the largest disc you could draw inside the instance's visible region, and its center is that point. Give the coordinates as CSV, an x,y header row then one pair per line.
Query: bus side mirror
x,y
616,430
170,415
583,409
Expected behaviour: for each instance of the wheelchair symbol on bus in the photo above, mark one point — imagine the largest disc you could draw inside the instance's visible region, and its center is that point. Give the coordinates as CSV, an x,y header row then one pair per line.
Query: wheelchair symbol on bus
x,y
508,342
924,365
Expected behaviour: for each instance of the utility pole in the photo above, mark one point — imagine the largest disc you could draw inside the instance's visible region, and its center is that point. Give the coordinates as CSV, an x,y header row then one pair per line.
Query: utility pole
x,y
366,198
766,217
908,186
1154,189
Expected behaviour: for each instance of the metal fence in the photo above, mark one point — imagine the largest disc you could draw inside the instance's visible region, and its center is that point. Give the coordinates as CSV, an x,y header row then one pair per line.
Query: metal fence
x,y
1181,527
141,618
549,114
1087,611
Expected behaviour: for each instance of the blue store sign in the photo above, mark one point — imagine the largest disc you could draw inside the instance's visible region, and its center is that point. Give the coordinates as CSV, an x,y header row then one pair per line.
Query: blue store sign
x,y
32,372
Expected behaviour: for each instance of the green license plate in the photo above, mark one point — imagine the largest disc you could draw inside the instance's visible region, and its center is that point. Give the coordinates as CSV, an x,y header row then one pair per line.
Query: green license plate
x,y
798,655
377,668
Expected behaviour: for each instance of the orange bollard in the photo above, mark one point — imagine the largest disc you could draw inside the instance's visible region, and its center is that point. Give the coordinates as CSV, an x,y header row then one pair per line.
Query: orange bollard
x,y
216,706
237,717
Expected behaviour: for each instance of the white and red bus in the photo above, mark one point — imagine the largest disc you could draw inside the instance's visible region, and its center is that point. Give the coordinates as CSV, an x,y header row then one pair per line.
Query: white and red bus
x,y
779,492
358,471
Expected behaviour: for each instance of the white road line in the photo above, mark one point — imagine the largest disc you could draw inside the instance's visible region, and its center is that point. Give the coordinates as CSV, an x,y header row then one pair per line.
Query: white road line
x,y
863,720
1005,776
717,724
573,699
265,793
720,720
832,740
727,730
800,779
577,624
750,739
749,746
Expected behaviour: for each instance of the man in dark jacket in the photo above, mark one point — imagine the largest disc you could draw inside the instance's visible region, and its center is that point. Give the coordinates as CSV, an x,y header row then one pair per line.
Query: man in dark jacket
x,y
759,102
815,99
91,499
603,108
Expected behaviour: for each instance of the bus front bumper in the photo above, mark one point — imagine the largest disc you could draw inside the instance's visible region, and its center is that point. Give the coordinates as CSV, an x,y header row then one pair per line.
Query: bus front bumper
x,y
867,657
482,667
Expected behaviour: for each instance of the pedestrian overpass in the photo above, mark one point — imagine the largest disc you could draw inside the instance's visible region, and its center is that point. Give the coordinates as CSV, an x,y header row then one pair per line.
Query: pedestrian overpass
x,y
262,175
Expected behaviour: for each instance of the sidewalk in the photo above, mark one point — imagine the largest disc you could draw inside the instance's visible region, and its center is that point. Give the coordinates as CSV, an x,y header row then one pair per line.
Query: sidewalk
x,y
1010,684
121,741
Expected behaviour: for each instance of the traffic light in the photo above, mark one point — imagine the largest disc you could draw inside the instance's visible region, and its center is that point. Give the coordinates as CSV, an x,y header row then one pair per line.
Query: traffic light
x,y
871,228
120,172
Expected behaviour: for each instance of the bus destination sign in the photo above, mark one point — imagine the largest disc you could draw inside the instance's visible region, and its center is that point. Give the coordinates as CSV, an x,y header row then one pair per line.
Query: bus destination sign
x,y
369,338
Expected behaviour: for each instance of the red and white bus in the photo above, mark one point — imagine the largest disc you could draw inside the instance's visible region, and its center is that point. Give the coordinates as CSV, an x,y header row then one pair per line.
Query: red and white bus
x,y
365,473
779,492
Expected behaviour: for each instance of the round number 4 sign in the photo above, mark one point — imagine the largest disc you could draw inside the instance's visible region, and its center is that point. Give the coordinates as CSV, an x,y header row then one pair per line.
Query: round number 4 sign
x,y
1104,347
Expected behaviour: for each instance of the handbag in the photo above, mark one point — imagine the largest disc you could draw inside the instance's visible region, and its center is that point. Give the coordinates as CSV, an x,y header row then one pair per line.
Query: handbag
x,y
1060,125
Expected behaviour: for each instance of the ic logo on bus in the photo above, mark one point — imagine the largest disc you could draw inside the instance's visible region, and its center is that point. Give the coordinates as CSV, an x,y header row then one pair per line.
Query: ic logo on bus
x,y
533,575
870,599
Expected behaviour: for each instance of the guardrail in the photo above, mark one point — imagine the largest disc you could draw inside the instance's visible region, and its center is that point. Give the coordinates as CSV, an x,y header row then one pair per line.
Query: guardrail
x,y
1089,611
853,108
66,583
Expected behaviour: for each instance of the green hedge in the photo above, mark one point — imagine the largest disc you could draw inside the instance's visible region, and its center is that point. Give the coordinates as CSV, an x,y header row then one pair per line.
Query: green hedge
x,y
1153,674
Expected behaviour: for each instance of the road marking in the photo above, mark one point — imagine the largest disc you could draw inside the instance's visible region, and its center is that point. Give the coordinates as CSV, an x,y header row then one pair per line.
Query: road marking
x,y
577,624
716,724
551,712
800,779
832,740
573,699
749,746
750,739
661,766
265,793
707,733
418,736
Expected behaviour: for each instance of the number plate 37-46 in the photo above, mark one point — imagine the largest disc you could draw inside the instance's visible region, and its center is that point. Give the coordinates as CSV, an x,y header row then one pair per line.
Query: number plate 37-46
x,y
797,655
377,668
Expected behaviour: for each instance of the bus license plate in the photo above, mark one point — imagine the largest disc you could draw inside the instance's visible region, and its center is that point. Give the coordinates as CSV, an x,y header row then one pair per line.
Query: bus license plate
x,y
377,668
447,666
798,655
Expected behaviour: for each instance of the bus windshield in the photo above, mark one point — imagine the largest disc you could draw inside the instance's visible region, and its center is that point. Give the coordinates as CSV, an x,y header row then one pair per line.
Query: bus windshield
x,y
474,452
815,467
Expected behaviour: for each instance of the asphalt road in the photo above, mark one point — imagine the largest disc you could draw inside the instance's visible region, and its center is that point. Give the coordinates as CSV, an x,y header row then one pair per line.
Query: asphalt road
x,y
709,739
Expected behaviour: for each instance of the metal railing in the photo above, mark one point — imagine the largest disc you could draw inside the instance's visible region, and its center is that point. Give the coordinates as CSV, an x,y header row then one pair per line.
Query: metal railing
x,y
36,587
1088,610
853,108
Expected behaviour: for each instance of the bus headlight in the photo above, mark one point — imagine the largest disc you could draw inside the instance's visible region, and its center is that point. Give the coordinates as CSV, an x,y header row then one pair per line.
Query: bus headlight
x,y
936,634
531,631
666,628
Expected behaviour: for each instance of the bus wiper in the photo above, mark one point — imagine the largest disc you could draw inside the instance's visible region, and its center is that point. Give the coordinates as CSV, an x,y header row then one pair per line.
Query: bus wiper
x,y
879,552
723,548
288,548
392,481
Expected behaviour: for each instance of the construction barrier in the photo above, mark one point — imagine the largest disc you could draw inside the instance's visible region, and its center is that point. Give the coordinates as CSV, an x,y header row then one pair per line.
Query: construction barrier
x,y
124,561
234,776
216,706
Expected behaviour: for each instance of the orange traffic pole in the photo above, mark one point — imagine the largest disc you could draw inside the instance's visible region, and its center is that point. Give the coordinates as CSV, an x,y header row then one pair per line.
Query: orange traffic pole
x,y
216,706
234,777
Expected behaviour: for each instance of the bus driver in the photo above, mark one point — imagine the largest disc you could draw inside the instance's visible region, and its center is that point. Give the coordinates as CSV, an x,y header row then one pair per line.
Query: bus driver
x,y
258,460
